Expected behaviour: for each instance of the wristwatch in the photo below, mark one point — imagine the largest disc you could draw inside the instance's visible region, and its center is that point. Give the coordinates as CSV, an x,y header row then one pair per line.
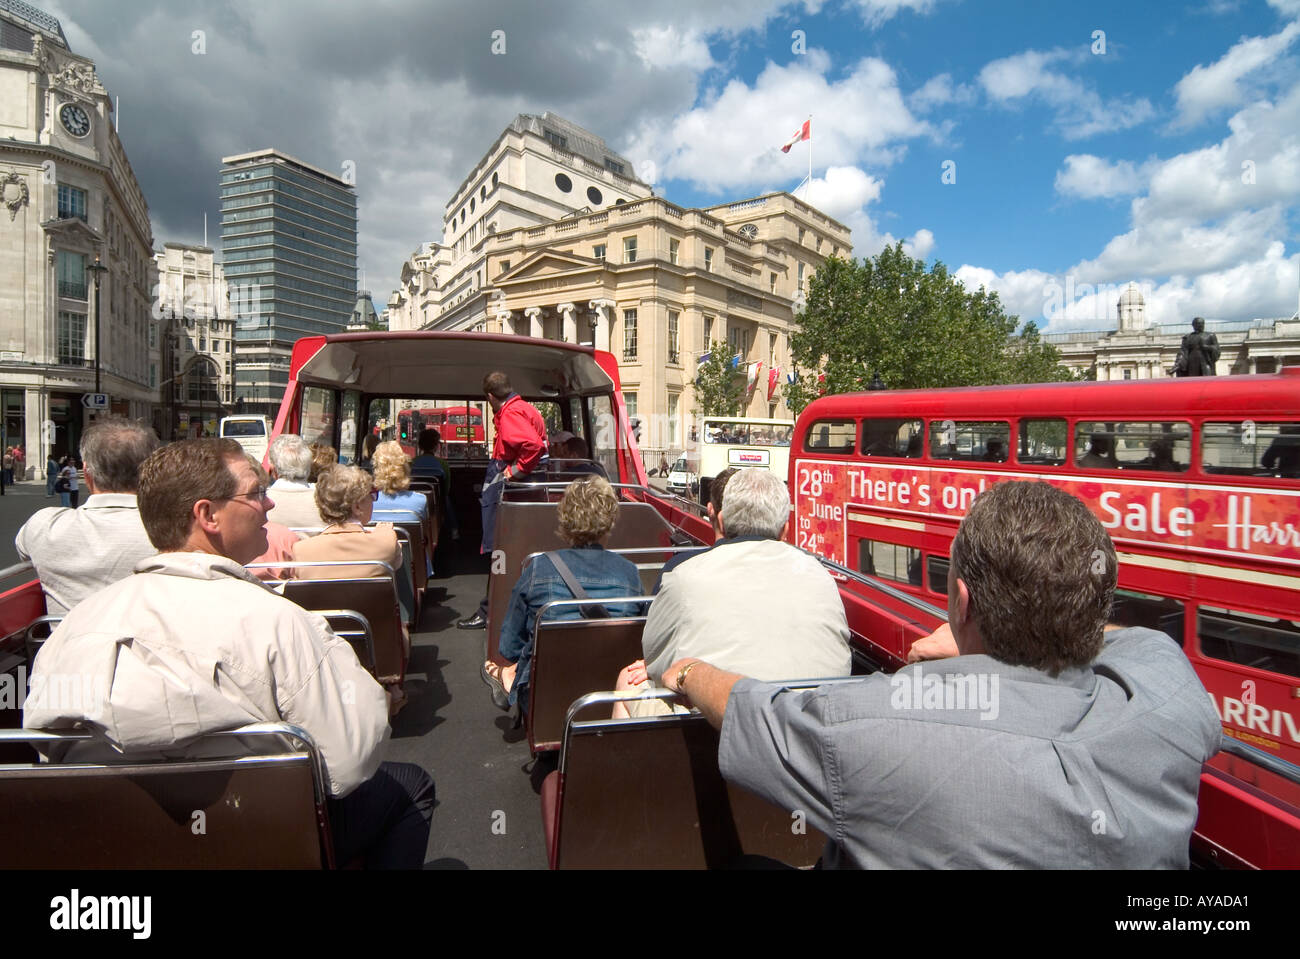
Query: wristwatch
x,y
682,673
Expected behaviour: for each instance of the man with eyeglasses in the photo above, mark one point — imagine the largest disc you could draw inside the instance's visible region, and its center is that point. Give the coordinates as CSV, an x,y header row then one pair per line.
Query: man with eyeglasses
x,y
193,643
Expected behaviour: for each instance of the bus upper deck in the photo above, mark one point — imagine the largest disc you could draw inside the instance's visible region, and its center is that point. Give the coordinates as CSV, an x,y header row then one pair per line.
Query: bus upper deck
x,y
450,727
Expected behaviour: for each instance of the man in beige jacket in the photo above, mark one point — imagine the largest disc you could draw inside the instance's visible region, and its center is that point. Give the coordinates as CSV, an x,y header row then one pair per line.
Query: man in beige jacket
x,y
192,643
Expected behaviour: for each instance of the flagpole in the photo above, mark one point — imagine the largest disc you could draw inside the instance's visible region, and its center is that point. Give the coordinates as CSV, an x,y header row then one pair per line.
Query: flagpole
x,y
809,190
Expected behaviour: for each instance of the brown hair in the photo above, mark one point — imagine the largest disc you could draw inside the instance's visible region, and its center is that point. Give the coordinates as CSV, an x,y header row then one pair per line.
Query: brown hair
x,y
497,385
718,485
323,456
1041,573
177,476
587,511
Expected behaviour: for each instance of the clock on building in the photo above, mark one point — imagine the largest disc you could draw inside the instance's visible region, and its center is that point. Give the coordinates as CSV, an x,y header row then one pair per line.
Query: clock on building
x,y
74,119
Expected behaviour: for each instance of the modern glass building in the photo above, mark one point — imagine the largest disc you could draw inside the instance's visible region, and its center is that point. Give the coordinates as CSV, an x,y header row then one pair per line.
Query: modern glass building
x,y
289,249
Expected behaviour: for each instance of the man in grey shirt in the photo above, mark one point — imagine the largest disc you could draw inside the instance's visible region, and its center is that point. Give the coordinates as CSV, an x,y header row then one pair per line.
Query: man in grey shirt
x,y
77,552
1040,739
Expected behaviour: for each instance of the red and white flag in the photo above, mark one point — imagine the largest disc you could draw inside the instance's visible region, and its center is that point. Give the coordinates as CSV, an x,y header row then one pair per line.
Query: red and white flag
x,y
803,133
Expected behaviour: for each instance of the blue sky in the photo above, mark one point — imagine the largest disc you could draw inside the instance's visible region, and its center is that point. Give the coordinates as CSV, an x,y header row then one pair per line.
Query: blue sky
x,y
1171,159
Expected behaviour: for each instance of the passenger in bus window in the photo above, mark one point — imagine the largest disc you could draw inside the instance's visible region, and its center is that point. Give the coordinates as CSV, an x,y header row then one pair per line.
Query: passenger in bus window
x,y
995,451
193,644
1160,456
1100,455
1283,454
1041,740
720,605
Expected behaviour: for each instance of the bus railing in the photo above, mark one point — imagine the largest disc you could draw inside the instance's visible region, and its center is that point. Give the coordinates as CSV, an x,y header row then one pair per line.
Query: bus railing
x,y
17,569
880,586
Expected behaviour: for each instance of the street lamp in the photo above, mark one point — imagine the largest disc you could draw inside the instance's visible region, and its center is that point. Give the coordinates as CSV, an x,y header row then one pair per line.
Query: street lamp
x,y
98,269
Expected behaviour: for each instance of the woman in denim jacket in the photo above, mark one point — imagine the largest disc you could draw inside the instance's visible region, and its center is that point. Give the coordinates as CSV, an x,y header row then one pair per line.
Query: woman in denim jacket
x,y
587,514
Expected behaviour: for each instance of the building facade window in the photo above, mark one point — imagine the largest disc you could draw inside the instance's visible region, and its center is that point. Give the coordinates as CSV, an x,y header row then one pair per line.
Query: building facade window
x,y
71,337
629,249
800,277
801,233
772,283
673,356
674,428
708,331
613,166
629,400
598,251
708,259
72,274
629,335
72,203
771,351
673,248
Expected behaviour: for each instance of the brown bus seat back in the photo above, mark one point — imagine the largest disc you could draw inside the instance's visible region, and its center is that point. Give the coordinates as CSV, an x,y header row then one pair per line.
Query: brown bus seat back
x,y
570,659
375,599
258,812
647,794
526,528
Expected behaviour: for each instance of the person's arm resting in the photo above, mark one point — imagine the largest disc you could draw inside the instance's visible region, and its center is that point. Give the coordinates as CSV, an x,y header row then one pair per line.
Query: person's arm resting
x,y
707,687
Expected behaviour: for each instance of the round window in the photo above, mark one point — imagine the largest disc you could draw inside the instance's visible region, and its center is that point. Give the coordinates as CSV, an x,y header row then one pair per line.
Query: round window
x,y
563,182
620,201
494,181
594,195
482,193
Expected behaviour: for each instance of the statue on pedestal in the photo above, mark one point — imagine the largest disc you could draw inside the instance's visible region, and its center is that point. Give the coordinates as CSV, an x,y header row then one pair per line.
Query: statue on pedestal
x,y
1199,352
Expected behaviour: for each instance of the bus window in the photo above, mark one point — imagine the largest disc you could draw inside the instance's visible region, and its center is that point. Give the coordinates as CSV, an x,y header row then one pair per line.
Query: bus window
x,y
936,574
1164,447
830,436
1250,448
900,564
1042,442
351,407
892,438
984,441
1154,612
318,410
605,449
781,435
1261,642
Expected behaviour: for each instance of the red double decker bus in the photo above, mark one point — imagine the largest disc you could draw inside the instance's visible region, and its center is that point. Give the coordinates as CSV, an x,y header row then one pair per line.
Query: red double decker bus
x,y
459,426
1197,482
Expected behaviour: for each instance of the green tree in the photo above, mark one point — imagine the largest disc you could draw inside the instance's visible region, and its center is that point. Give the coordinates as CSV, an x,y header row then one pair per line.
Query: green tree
x,y
719,389
889,316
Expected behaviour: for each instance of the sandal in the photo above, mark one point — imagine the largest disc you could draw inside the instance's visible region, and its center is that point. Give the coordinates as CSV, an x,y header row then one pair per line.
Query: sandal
x,y
491,673
396,699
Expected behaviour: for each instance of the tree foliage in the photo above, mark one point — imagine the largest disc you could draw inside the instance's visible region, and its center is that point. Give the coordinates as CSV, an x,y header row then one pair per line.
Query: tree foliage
x,y
719,389
915,329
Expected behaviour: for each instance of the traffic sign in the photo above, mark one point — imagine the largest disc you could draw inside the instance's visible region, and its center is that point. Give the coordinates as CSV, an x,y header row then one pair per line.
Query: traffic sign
x,y
94,401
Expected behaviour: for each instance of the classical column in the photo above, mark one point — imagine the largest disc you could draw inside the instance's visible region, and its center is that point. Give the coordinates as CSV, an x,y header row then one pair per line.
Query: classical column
x,y
534,315
505,318
604,310
569,322
1250,364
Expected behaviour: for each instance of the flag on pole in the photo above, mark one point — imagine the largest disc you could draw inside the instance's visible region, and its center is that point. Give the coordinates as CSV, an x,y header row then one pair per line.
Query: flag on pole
x,y
704,358
751,378
803,133
773,377
735,362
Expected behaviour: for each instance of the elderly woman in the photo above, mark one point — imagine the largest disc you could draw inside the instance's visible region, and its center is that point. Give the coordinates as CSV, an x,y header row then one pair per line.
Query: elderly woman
x,y
345,499
587,514
393,477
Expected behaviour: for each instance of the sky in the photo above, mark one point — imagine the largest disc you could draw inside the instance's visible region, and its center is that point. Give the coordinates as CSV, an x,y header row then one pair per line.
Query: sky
x,y
1052,152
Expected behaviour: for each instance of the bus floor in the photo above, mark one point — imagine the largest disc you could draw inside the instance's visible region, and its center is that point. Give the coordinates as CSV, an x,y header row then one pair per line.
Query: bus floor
x,y
488,813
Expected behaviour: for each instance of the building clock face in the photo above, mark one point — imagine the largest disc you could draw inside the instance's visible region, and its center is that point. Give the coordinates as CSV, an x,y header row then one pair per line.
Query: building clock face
x,y
74,119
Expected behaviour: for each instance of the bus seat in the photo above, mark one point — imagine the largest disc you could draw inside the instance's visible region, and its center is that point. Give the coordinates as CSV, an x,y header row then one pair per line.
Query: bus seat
x,y
570,659
647,794
258,811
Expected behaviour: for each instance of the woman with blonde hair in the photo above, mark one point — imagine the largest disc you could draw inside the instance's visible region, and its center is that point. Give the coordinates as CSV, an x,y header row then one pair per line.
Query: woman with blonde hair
x,y
587,514
393,479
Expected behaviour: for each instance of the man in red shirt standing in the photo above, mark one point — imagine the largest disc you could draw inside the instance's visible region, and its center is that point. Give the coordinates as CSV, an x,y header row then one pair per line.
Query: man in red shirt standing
x,y
520,443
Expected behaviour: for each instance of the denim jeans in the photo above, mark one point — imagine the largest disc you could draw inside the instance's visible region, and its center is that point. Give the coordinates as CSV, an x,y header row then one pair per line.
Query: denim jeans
x,y
489,501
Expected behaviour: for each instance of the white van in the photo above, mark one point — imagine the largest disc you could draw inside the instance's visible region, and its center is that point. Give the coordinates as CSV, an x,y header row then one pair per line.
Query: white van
x,y
683,475
250,432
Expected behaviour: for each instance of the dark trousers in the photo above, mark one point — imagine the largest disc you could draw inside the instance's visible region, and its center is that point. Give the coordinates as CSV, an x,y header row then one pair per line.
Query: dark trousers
x,y
384,821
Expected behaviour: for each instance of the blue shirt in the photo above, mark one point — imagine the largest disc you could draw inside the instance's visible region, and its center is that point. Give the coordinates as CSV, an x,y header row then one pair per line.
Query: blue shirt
x,y
599,572
406,501
427,463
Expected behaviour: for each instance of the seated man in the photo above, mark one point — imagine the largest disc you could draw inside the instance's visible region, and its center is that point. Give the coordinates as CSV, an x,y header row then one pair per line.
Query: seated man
x,y
1100,455
751,603
428,463
80,551
295,495
193,643
1045,742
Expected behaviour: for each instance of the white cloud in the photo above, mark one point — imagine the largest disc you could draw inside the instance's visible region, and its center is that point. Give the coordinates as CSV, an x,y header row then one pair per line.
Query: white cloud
x,y
1206,90
665,47
877,12
919,244
1080,111
1288,8
733,141
1089,177
938,91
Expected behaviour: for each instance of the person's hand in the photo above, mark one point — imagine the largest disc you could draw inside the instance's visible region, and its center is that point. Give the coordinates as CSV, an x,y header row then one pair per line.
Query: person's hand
x,y
669,679
499,478
633,675
938,645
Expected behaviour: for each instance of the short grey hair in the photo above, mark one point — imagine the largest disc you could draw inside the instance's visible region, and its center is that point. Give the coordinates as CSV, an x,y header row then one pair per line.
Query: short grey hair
x,y
290,457
756,504
112,451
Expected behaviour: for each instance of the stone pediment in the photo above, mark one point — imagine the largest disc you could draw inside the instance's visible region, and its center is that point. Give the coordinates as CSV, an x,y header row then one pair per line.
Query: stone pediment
x,y
548,263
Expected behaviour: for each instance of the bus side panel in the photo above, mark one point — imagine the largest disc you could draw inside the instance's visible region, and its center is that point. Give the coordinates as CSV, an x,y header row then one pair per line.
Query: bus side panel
x,y
1263,834
19,606
630,467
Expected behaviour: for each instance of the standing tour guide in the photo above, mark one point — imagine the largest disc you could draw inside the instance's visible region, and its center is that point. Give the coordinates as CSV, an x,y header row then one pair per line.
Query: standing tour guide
x,y
518,448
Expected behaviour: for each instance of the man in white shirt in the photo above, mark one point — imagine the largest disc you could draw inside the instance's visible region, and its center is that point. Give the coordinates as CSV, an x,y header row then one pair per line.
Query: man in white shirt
x,y
77,552
295,497
193,643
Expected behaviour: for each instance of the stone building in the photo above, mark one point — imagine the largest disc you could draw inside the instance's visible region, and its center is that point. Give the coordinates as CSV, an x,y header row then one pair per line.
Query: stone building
x,y
1136,351
70,202
195,372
